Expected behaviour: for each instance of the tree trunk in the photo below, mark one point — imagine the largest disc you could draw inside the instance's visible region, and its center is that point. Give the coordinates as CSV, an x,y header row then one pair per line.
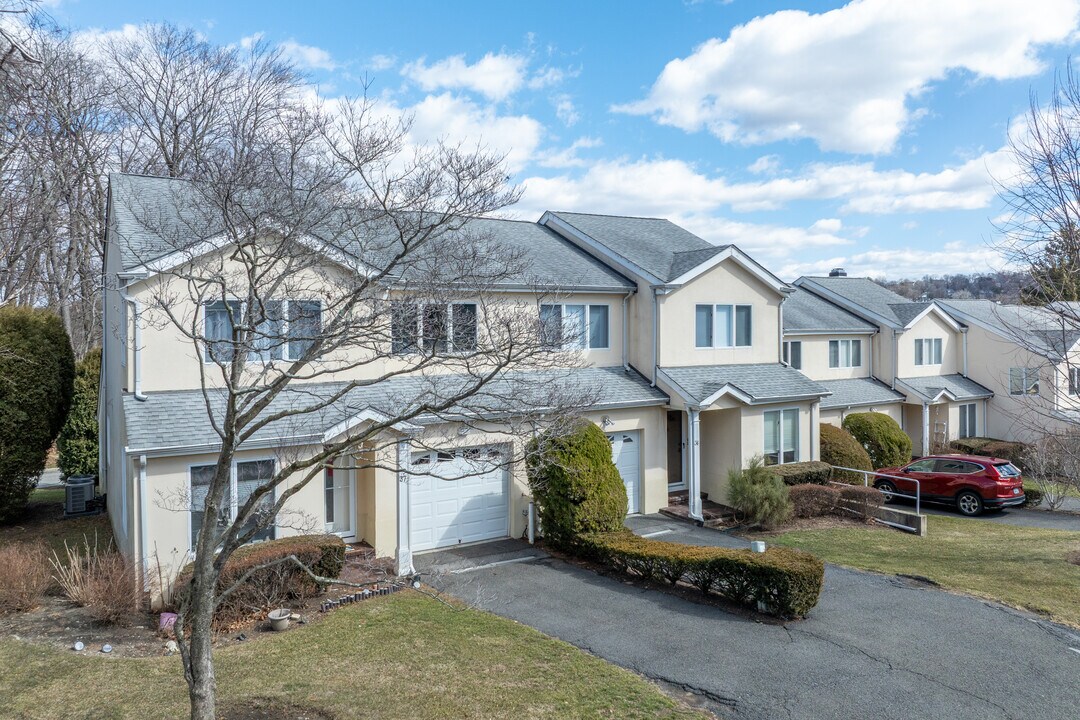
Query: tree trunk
x,y
202,683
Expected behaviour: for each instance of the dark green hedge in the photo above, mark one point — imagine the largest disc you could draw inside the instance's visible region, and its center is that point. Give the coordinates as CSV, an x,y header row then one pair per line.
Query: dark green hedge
x,y
780,581
881,437
803,473
1033,496
77,444
839,447
990,447
576,486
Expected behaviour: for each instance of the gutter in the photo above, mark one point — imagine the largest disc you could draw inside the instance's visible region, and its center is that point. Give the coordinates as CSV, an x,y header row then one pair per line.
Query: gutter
x,y
655,332
137,343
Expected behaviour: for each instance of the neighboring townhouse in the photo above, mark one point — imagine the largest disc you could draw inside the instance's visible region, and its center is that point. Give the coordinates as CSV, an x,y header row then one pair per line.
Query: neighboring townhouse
x,y
680,343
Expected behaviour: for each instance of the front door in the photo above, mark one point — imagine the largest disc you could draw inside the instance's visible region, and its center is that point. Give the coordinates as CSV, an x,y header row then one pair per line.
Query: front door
x,y
675,450
339,487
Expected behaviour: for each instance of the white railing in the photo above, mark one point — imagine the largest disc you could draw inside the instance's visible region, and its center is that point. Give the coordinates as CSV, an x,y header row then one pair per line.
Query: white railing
x,y
917,497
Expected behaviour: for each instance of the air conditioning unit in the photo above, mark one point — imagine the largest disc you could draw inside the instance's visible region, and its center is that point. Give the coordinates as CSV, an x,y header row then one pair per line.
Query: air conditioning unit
x,y
79,493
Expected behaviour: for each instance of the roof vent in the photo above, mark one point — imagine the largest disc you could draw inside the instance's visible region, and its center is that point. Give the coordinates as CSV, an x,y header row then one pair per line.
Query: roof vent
x,y
838,272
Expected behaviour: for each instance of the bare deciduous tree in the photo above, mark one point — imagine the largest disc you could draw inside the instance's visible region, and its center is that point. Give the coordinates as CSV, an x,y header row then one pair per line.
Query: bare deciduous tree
x,y
1053,464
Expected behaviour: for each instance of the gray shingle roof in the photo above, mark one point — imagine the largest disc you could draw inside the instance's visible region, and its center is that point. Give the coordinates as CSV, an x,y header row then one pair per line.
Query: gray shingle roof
x,y
658,246
1043,330
960,387
178,418
762,383
806,312
858,391
154,217
867,294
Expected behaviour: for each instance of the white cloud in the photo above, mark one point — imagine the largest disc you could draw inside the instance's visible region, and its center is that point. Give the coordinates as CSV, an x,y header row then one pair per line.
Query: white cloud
x,y
493,76
568,157
565,110
844,78
546,77
248,41
382,62
954,257
765,165
308,56
829,225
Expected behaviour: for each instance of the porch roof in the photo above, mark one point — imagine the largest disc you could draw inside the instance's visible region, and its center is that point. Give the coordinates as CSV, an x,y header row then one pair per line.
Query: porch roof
x,y
753,384
176,422
853,392
933,388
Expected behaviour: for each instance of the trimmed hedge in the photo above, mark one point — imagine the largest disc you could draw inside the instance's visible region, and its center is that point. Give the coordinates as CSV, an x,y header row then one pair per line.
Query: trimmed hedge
x,y
990,447
575,484
839,447
812,472
275,586
1033,496
780,581
861,500
881,437
814,500
77,444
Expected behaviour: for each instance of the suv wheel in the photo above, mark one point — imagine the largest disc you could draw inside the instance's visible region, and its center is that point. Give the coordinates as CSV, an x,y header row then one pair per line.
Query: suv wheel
x,y
969,503
887,488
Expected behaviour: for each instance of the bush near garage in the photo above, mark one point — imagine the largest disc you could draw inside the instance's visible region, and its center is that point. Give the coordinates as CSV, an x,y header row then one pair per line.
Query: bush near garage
x,y
780,581
576,486
839,447
812,472
758,494
810,501
990,447
274,586
77,444
881,437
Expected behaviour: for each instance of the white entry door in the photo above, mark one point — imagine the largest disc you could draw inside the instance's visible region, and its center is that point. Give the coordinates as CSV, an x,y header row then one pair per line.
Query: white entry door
x,y
457,497
626,454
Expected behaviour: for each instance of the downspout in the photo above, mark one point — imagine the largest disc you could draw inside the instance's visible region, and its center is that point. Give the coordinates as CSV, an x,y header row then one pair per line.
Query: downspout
x,y
655,332
626,330
963,332
895,356
694,489
870,355
780,330
144,558
136,337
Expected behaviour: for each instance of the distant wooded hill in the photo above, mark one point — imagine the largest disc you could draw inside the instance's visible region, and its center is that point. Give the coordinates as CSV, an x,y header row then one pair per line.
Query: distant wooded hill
x,y
999,286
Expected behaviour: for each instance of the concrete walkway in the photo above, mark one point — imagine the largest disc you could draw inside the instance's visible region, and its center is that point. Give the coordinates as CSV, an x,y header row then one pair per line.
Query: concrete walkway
x,y
874,647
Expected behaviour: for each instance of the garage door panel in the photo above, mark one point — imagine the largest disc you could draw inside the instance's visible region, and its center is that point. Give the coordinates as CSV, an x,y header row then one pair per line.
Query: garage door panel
x,y
470,506
626,454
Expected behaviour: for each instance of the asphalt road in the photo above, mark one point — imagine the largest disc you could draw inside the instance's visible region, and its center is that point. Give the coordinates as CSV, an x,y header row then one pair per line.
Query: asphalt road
x,y
875,646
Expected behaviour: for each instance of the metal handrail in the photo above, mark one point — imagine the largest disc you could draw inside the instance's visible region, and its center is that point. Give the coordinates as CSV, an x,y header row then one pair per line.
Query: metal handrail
x,y
866,481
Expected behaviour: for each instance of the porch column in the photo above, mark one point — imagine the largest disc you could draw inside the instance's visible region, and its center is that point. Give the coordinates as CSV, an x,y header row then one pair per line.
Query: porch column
x,y
926,428
403,557
694,446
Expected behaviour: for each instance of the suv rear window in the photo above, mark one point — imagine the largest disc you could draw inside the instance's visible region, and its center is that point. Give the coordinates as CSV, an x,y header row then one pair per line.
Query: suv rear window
x,y
957,467
1007,470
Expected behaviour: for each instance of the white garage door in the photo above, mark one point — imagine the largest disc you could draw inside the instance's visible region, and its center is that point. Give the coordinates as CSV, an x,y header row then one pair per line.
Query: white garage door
x,y
626,454
461,498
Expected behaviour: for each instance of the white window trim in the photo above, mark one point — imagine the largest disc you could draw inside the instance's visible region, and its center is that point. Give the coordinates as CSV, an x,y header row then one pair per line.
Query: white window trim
x,y
234,505
787,352
734,312
588,324
286,356
851,344
1026,373
928,359
973,431
450,350
798,433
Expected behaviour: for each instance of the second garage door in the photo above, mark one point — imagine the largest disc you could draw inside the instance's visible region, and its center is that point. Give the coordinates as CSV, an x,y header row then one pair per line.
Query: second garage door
x,y
626,454
457,497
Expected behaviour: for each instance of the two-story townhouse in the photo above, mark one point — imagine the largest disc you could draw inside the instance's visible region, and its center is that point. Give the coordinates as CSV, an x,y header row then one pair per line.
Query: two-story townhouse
x,y
709,329
680,346
920,350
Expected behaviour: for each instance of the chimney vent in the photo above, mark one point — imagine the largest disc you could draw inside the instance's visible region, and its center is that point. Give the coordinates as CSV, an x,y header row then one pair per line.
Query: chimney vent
x,y
838,272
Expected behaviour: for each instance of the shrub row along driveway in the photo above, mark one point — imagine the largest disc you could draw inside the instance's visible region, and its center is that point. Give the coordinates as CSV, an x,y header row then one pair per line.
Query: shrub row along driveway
x,y
875,647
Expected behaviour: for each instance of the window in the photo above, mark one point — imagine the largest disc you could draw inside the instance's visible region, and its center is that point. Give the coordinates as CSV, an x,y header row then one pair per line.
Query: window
x,y
1074,381
720,326
923,466
793,353
845,353
1023,381
781,436
435,328
285,329
967,421
957,467
245,477
928,351
575,327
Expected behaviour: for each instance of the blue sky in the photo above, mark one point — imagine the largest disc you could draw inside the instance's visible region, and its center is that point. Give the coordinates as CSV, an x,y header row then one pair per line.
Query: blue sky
x,y
810,134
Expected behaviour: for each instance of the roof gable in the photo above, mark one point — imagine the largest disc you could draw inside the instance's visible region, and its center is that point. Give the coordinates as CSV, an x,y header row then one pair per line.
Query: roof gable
x,y
805,312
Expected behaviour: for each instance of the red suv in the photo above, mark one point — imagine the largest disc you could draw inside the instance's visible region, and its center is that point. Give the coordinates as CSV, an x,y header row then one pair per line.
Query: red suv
x,y
970,482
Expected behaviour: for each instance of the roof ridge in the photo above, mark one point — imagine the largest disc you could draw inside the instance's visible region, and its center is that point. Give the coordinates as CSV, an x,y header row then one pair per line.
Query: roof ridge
x,y
609,215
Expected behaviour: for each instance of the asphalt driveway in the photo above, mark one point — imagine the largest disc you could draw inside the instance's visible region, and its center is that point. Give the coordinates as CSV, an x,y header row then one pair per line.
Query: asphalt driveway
x,y
875,647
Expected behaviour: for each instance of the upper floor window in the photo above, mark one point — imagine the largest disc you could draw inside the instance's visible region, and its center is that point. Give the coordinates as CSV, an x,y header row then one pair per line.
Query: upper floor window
x,y
575,327
285,330
435,328
721,326
928,351
793,353
1074,381
1023,381
845,353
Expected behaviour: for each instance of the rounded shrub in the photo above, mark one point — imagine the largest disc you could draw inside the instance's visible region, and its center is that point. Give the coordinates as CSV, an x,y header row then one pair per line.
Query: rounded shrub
x,y
881,437
759,495
77,445
575,484
37,369
814,500
839,447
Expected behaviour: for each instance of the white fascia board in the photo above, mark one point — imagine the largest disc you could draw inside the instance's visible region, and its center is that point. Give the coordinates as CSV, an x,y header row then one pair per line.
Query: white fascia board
x,y
205,448
923,396
728,389
860,333
745,261
362,417
853,308
571,233
687,398
933,307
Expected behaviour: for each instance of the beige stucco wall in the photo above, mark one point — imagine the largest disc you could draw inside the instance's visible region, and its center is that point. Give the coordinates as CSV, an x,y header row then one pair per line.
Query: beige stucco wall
x,y
726,283
930,326
815,357
835,416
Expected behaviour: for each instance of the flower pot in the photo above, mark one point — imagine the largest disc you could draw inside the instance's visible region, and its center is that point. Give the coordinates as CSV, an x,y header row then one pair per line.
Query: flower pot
x,y
279,619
